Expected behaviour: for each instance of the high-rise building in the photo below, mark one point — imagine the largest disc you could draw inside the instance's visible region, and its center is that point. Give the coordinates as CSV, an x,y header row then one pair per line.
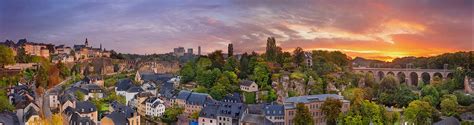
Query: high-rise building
x,y
190,51
199,50
179,51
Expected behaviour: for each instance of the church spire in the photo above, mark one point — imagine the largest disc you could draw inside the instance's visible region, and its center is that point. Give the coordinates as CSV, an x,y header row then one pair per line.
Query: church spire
x,y
86,43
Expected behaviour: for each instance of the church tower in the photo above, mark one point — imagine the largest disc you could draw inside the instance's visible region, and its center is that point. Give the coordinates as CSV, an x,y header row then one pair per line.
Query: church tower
x,y
86,43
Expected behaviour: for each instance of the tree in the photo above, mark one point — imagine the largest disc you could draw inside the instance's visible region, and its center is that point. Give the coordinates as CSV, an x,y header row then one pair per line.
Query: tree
x,y
217,59
53,78
449,105
57,119
6,56
404,96
302,116
429,90
272,96
230,50
271,50
187,73
261,74
298,55
244,66
230,65
332,108
249,97
171,114
389,84
419,113
79,95
5,104
21,56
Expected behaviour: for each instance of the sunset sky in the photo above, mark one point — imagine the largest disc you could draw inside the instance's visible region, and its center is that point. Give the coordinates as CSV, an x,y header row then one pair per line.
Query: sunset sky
x,y
376,29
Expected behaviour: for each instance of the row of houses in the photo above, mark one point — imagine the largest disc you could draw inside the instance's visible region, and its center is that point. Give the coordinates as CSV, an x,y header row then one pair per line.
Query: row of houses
x,y
231,110
58,53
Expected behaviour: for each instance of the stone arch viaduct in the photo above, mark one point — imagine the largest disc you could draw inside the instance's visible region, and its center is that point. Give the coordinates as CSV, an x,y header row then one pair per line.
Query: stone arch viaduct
x,y
409,76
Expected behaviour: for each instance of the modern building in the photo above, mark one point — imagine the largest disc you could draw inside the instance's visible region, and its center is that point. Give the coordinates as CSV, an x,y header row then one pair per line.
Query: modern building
x,y
178,52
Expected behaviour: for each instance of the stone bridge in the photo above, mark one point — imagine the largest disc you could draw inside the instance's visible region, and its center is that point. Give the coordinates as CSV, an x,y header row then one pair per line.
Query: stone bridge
x,y
407,75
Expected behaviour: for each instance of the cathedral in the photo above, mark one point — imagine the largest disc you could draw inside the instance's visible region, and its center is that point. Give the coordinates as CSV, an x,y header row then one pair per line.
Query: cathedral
x,y
87,51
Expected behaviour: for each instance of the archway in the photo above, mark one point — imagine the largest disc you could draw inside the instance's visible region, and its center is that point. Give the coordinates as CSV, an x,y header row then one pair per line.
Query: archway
x,y
401,77
414,78
437,74
450,76
391,73
380,75
425,77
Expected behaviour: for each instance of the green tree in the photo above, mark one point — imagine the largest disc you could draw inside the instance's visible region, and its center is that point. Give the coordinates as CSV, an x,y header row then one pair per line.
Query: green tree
x,y
217,59
79,95
302,116
4,102
331,108
449,105
271,50
389,84
6,56
404,96
419,113
231,65
272,96
250,97
298,55
187,73
431,91
261,74
171,114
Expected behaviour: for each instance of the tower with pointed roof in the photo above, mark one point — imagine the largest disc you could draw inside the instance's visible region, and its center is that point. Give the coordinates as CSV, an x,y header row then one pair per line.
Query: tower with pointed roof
x,y
86,43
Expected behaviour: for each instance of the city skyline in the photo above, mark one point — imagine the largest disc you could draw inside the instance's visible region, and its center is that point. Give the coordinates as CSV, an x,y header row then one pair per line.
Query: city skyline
x,y
372,29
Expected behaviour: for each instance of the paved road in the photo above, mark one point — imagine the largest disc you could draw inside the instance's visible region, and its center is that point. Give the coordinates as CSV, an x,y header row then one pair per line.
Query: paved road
x,y
46,109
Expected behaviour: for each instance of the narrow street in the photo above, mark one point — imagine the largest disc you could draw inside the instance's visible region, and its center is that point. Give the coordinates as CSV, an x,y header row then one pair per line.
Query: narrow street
x,y
46,109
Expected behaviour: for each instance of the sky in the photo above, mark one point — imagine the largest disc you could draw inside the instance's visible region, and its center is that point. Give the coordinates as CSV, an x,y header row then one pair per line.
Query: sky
x,y
375,29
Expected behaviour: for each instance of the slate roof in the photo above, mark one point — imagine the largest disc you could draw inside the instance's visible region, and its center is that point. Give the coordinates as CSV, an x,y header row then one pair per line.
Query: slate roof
x,y
167,90
274,110
9,118
255,119
134,89
118,118
290,102
85,107
160,78
123,84
246,82
233,110
30,112
193,98
66,97
448,121
210,111
255,108
127,110
76,119
235,98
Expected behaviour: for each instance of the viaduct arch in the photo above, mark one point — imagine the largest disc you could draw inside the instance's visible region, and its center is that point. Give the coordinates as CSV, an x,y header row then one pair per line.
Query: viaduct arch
x,y
407,75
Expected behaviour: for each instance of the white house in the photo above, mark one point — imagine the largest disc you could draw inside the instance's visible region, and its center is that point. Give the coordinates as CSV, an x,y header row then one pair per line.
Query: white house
x,y
131,92
53,100
154,107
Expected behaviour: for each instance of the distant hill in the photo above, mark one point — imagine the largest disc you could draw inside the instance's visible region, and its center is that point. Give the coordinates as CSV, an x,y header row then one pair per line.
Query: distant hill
x,y
453,60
